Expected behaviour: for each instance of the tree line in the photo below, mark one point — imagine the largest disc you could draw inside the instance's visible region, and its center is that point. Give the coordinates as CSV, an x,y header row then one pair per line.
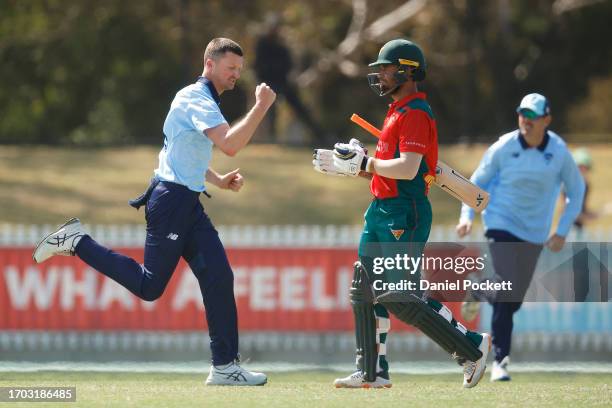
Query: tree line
x,y
103,72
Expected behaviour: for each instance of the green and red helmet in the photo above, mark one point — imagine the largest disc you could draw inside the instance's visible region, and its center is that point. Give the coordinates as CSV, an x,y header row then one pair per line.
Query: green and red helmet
x,y
407,56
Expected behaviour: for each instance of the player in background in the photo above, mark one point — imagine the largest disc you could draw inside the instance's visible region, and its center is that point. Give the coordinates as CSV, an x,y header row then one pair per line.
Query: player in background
x,y
177,225
584,161
523,171
398,221
580,259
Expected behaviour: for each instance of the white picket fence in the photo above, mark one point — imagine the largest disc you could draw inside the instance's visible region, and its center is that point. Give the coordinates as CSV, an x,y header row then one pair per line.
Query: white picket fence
x,y
133,235
325,344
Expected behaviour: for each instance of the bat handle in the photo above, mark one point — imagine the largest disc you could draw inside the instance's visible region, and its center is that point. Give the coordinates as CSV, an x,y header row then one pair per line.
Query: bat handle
x,y
367,126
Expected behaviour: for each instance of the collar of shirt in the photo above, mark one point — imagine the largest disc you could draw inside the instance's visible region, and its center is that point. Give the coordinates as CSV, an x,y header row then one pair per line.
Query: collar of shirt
x,y
406,99
541,147
207,82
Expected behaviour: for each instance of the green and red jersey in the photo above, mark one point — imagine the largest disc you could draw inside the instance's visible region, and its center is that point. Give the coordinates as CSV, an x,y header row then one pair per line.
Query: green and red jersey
x,y
409,127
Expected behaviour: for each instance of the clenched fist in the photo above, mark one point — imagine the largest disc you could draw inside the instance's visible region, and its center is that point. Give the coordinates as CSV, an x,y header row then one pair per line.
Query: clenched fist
x,y
231,181
264,95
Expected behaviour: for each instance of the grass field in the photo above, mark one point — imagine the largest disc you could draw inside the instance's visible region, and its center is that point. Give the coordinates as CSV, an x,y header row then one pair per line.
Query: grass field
x,y
47,185
313,389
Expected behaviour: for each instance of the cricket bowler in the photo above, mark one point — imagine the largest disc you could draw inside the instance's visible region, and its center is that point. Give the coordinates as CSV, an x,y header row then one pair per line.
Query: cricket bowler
x,y
177,225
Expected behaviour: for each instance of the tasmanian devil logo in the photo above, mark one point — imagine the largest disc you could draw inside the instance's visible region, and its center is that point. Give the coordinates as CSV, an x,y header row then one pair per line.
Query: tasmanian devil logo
x,y
397,233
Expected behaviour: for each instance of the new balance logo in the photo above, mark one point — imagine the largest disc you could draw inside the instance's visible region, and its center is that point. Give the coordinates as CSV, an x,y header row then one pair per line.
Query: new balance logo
x,y
172,236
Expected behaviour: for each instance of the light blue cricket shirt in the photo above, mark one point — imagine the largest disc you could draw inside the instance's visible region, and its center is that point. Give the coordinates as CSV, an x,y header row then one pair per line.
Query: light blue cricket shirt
x,y
187,150
524,183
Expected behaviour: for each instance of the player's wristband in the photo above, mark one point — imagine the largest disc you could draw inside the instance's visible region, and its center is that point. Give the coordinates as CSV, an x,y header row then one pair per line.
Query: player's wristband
x,y
368,165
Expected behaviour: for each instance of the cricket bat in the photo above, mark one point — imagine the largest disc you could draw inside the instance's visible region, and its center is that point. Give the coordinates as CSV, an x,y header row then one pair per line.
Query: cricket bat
x,y
447,178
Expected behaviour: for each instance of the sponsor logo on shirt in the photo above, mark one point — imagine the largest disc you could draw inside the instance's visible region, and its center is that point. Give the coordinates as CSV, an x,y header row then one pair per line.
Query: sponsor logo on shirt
x,y
382,147
413,143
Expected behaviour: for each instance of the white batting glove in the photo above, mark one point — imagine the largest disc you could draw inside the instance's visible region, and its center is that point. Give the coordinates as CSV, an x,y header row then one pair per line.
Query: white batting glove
x,y
323,162
358,144
350,158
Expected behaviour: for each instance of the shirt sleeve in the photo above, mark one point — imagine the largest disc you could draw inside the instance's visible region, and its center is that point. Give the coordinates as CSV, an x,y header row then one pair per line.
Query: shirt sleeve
x,y
482,177
415,133
574,186
205,115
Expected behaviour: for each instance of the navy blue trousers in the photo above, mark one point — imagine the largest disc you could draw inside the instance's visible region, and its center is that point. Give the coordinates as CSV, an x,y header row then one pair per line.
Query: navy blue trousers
x,y
177,226
516,263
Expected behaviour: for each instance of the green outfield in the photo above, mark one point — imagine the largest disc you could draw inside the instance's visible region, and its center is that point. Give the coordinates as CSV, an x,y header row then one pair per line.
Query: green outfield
x,y
47,185
313,389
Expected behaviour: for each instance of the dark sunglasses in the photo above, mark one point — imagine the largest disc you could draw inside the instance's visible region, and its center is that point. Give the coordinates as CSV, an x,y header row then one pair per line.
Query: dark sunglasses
x,y
529,114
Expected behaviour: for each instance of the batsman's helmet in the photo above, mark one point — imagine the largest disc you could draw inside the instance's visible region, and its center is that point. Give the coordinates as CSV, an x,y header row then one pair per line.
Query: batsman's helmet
x,y
407,56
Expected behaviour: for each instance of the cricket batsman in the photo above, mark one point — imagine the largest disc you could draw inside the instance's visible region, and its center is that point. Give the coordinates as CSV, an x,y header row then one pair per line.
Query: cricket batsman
x,y
398,221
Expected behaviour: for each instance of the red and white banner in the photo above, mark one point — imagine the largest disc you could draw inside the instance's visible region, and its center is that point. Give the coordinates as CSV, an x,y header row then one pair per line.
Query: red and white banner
x,y
288,289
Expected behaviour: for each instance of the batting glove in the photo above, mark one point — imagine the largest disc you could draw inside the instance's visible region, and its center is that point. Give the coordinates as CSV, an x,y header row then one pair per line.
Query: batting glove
x,y
358,145
323,162
350,158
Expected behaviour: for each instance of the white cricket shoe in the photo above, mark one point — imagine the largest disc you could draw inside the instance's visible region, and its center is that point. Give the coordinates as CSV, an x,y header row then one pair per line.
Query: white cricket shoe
x,y
60,242
499,371
474,370
356,380
233,374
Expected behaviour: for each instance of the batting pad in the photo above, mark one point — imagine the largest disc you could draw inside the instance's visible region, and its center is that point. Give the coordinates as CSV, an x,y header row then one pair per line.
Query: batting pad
x,y
414,311
365,322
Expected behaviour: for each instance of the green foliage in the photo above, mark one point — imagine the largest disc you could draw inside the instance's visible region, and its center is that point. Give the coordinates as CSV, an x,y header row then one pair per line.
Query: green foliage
x,y
591,115
83,72
103,72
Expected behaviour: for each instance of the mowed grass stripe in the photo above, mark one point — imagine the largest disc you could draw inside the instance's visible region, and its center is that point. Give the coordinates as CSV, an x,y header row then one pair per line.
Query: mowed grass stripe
x,y
310,389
